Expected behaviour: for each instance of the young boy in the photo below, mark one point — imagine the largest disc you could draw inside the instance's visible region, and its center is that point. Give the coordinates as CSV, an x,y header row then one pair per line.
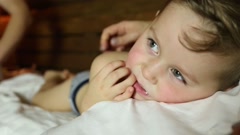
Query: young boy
x,y
189,52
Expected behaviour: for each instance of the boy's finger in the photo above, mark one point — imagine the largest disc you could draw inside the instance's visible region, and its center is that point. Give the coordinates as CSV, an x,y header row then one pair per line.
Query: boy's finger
x,y
117,76
128,81
109,68
126,95
121,87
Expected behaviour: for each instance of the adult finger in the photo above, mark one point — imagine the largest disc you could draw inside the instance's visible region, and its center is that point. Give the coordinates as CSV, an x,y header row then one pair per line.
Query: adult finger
x,y
108,33
122,40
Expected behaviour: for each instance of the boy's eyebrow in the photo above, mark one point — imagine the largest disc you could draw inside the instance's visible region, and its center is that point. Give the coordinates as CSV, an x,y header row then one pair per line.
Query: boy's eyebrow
x,y
191,77
154,33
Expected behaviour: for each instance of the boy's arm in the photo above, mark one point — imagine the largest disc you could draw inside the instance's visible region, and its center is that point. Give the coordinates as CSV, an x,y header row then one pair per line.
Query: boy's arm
x,y
20,18
113,83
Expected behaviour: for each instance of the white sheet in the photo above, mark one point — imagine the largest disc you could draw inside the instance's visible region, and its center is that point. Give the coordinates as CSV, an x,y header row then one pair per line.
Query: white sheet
x,y
211,116
17,118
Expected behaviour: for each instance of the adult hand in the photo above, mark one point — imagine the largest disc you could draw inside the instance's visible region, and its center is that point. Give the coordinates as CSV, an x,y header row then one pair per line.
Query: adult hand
x,y
122,34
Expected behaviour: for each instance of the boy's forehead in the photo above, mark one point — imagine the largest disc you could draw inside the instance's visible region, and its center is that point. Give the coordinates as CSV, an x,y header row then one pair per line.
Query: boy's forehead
x,y
180,13
179,19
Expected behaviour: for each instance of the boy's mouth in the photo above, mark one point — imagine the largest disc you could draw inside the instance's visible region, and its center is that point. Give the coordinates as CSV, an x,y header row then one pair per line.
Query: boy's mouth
x,y
139,89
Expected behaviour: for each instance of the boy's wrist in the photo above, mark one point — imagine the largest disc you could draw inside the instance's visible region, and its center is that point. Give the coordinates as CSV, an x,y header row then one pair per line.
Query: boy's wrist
x,y
80,99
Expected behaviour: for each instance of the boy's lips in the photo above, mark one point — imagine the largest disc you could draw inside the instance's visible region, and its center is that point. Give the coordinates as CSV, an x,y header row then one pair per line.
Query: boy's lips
x,y
139,89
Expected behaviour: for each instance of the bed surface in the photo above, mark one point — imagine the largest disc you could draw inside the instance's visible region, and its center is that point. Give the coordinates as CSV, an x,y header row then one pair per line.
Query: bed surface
x,y
207,116
18,118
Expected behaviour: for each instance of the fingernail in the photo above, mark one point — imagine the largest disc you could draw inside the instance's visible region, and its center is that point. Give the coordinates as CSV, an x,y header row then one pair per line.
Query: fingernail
x,y
113,41
131,90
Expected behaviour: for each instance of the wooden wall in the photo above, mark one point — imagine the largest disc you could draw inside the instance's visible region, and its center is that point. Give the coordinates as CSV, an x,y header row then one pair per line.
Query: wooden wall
x,y
65,33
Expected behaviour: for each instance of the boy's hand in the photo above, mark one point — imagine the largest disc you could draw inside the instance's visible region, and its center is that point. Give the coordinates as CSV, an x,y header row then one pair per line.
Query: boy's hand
x,y
113,83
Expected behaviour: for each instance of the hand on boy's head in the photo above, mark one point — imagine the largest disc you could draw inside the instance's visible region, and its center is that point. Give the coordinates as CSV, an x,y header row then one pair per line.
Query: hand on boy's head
x,y
113,83
120,35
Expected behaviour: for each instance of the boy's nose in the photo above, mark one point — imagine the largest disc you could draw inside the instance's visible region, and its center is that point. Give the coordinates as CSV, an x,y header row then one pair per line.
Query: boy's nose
x,y
151,71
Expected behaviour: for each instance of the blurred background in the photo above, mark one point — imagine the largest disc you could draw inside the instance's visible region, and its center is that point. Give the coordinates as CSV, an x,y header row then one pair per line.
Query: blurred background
x,y
65,33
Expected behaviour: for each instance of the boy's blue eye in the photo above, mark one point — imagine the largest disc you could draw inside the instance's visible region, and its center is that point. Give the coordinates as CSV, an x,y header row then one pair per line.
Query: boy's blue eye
x,y
154,47
178,75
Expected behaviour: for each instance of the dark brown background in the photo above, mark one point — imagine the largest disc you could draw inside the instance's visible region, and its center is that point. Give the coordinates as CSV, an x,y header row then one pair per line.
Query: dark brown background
x,y
65,33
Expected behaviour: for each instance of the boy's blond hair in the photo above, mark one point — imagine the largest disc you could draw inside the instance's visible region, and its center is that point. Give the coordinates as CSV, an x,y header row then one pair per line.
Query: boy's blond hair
x,y
220,32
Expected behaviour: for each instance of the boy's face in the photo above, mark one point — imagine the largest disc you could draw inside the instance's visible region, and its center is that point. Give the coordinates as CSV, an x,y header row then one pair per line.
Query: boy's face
x,y
165,70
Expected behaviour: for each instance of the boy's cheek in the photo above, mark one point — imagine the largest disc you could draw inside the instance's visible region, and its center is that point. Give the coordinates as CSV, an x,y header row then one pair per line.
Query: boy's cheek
x,y
135,56
167,94
132,58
